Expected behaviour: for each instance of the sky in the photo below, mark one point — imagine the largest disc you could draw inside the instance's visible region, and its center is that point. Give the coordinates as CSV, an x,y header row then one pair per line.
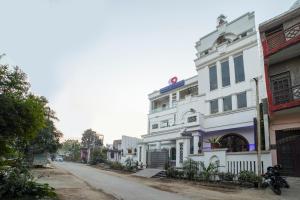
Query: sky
x,y
96,61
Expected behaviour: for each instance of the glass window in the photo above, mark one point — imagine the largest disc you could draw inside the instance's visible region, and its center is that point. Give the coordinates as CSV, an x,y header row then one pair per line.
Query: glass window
x,y
164,124
214,107
239,69
234,143
241,100
213,77
227,103
154,126
192,119
225,73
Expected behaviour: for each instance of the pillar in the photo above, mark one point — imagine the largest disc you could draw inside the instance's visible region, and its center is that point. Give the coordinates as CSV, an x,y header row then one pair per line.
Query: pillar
x,y
196,141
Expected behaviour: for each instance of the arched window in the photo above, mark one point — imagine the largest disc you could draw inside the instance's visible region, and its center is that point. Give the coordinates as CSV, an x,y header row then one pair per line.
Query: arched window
x,y
234,143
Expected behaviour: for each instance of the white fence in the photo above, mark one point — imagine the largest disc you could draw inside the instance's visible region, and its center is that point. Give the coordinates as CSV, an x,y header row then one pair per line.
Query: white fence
x,y
234,162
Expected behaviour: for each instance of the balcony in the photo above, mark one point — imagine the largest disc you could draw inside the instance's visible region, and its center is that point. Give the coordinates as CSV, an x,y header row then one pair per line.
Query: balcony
x,y
285,97
281,38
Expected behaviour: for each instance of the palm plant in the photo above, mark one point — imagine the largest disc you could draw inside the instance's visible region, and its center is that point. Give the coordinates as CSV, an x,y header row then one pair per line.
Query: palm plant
x,y
211,169
214,142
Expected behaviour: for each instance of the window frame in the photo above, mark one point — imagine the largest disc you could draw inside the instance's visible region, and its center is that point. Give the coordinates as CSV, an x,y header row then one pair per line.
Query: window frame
x,y
210,103
237,100
223,73
237,80
229,97
210,79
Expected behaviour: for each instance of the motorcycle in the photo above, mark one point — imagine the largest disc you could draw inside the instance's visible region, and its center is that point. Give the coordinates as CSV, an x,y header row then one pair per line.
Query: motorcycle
x,y
273,179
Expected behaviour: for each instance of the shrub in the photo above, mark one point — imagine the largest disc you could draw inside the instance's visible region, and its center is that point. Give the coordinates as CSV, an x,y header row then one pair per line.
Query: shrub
x,y
226,176
130,164
171,172
190,168
16,182
248,177
116,165
207,172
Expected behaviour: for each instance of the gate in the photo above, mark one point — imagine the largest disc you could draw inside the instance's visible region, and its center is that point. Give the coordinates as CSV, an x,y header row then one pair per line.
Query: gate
x,y
288,151
157,158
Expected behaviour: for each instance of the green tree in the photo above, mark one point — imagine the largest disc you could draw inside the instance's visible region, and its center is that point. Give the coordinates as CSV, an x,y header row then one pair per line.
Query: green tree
x,y
71,148
22,114
91,139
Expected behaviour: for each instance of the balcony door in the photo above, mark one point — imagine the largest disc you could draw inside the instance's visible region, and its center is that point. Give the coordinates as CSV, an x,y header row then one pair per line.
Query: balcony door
x,y
281,88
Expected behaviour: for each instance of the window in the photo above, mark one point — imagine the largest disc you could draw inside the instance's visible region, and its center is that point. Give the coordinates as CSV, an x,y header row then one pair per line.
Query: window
x,y
192,91
227,103
164,123
154,126
213,77
225,73
112,155
192,119
241,100
129,151
234,143
214,107
239,69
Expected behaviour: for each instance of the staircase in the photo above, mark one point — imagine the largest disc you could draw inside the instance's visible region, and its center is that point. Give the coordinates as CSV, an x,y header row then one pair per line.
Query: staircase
x,y
161,174
151,173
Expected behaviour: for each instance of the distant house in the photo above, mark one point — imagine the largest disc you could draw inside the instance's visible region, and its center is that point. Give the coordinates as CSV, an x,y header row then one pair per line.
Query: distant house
x,y
123,149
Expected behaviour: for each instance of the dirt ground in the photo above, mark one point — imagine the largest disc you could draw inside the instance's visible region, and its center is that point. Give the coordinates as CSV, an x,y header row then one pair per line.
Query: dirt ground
x,y
68,186
71,187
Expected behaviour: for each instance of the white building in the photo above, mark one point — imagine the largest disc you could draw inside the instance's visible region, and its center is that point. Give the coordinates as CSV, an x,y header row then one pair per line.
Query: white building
x,y
218,102
123,149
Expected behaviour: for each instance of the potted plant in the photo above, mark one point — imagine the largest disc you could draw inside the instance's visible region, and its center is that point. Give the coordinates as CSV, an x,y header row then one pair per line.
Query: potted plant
x,y
214,142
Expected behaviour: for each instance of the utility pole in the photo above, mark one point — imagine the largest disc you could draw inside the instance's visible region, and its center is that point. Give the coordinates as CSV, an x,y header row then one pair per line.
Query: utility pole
x,y
258,130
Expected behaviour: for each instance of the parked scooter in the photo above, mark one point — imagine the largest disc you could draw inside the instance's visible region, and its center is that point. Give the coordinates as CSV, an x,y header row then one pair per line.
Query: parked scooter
x,y
273,179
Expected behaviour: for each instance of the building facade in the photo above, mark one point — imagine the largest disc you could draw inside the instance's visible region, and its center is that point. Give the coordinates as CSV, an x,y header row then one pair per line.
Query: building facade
x,y
216,104
123,149
280,38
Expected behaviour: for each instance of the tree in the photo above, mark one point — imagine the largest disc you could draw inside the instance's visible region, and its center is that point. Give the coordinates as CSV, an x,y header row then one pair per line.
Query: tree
x,y
22,114
91,139
71,148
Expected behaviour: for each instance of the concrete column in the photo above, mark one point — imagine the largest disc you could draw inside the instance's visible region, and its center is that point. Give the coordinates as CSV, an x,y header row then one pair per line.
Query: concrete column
x,y
196,141
267,134
158,145
231,70
220,103
219,74
170,100
234,102
186,147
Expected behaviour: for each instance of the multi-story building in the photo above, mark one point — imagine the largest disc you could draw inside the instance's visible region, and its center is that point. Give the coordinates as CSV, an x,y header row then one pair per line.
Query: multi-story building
x,y
280,37
219,102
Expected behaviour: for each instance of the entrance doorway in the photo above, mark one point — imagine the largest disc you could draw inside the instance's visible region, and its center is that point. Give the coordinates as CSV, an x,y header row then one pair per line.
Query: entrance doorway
x,y
288,151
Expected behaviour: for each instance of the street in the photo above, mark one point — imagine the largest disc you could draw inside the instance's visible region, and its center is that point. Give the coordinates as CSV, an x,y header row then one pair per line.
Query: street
x,y
128,187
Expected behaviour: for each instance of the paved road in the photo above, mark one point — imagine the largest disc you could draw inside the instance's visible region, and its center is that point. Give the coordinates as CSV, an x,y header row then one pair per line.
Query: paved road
x,y
119,187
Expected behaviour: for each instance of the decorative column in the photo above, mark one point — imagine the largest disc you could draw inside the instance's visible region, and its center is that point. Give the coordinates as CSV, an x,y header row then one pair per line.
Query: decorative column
x,y
196,141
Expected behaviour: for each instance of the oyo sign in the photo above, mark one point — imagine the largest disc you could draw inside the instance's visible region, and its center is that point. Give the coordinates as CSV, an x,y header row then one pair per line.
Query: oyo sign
x,y
173,80
173,84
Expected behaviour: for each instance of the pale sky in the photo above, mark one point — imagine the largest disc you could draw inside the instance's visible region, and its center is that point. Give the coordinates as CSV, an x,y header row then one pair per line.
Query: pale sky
x,y
96,61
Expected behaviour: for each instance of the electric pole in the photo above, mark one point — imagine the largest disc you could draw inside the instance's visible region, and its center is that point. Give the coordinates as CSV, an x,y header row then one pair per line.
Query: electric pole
x,y
258,130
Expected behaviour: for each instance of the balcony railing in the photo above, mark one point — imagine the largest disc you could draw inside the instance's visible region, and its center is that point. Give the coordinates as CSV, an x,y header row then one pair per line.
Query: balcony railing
x,y
282,38
286,95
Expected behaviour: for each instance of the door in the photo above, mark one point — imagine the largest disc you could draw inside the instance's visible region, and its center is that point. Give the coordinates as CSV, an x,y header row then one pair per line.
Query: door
x,y
157,158
288,151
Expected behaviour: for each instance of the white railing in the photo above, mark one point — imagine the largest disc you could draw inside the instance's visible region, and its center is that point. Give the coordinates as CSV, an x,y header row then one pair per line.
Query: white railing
x,y
235,162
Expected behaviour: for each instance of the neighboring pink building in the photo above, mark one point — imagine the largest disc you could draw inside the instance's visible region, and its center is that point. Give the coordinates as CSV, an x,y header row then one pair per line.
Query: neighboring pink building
x,y
280,37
